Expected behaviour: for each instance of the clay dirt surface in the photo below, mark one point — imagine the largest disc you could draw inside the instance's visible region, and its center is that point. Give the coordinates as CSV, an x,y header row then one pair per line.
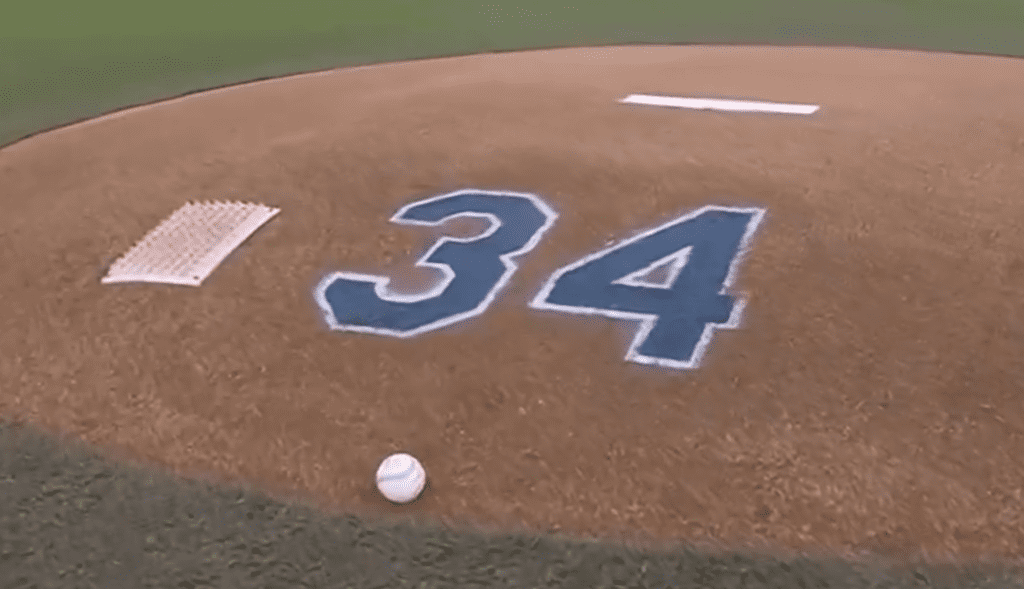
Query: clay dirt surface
x,y
870,401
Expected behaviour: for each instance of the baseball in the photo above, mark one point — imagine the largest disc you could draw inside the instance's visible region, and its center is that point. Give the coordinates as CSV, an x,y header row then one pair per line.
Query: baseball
x,y
400,478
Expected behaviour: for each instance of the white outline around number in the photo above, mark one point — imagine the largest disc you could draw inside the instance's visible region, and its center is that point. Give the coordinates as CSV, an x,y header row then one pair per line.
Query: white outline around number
x,y
447,274
647,321
676,261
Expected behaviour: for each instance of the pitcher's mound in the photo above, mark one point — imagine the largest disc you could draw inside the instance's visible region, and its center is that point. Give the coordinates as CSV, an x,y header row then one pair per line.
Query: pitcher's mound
x,y
605,318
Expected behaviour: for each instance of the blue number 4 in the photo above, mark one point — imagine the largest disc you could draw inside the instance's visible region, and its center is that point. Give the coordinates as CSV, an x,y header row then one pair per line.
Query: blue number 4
x,y
472,270
672,280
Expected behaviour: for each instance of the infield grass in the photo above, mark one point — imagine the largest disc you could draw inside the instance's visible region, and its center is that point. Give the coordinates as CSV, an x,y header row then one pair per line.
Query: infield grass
x,y
63,61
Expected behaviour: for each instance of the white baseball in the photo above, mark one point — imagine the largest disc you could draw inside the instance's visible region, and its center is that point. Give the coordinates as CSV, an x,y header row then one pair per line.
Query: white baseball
x,y
401,478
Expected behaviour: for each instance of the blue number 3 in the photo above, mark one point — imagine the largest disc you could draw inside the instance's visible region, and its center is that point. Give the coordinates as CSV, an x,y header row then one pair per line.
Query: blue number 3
x,y
696,256
473,269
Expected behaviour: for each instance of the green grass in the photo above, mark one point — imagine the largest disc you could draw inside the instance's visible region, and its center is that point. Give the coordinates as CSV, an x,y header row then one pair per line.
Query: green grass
x,y
72,518
64,61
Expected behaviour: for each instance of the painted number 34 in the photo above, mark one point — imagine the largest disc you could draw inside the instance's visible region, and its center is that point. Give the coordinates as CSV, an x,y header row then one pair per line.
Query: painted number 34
x,y
670,280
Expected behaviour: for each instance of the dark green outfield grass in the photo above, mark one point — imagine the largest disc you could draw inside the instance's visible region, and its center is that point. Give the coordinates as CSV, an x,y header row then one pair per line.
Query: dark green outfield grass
x,y
62,61
71,519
